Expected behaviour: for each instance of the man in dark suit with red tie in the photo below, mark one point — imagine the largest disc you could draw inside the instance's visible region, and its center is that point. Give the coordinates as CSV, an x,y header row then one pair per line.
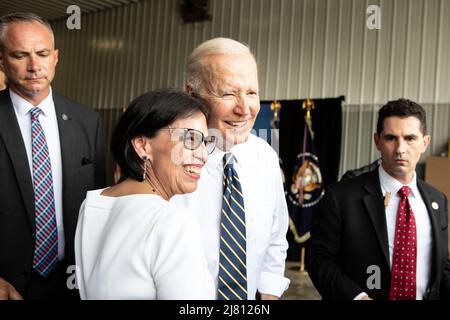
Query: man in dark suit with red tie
x,y
383,234
50,154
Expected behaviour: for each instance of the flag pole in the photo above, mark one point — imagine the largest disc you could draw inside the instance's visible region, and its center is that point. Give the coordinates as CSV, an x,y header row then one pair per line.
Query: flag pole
x,y
275,107
302,261
308,106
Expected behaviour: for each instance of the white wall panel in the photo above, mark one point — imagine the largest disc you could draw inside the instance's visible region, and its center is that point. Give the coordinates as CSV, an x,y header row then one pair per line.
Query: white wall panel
x,y
304,48
443,69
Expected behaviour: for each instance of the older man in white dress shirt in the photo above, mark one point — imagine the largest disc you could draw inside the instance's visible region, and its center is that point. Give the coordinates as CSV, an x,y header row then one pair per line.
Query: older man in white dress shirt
x,y
240,201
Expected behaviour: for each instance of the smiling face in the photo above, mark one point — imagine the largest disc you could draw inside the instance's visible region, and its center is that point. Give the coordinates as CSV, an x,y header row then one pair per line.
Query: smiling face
x,y
401,144
29,60
232,94
177,168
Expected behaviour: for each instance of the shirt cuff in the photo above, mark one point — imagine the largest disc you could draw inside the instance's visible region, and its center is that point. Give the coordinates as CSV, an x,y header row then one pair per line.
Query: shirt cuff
x,y
360,296
273,284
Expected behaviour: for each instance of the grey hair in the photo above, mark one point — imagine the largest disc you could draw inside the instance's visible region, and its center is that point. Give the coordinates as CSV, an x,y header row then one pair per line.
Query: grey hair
x,y
21,17
195,64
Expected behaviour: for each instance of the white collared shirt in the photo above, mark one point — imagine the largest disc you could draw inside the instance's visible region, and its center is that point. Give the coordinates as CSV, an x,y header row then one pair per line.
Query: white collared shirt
x,y
49,124
265,213
424,239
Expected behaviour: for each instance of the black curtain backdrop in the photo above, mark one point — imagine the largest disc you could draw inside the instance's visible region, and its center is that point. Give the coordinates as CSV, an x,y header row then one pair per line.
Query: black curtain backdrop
x,y
326,124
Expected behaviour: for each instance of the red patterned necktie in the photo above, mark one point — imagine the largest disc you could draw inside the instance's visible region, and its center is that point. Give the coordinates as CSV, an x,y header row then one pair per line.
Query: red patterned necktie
x,y
46,242
403,273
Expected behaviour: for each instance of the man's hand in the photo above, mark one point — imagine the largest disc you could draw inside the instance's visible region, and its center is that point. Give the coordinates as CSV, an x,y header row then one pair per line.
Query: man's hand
x,y
7,291
366,298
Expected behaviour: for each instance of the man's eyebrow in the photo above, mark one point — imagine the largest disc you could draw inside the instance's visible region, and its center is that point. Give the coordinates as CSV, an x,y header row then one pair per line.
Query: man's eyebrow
x,y
391,135
43,50
19,52
27,52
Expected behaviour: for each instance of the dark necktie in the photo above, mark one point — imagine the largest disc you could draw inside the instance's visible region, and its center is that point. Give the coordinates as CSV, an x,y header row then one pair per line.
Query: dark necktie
x,y
46,242
404,259
232,261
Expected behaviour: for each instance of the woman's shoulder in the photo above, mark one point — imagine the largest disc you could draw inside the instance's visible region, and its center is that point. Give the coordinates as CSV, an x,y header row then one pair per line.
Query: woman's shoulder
x,y
175,215
139,202
174,222
173,225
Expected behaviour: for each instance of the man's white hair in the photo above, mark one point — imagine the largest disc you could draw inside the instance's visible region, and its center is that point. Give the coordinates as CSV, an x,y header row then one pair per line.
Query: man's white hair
x,y
196,62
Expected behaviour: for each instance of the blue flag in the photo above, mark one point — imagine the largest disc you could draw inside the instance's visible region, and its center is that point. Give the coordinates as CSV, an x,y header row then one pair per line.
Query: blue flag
x,y
305,188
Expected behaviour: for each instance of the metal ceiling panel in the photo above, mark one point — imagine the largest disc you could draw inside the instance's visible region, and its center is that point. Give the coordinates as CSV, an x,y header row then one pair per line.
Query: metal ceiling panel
x,y
57,9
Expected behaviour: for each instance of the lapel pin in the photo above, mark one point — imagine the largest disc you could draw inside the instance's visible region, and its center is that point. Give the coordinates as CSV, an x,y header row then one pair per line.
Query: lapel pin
x,y
387,197
434,205
65,117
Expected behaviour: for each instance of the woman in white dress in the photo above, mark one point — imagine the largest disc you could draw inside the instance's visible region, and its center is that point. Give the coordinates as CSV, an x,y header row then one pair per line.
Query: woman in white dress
x,y
131,243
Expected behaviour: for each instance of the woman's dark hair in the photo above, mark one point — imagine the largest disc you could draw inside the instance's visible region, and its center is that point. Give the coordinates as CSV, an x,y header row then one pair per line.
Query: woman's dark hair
x,y
144,116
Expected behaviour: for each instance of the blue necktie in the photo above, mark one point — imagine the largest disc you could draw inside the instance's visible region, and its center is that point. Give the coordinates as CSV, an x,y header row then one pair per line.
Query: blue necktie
x,y
232,261
46,242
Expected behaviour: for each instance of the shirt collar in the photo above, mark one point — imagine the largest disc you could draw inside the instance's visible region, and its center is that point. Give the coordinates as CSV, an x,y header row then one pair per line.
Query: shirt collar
x,y
392,185
240,151
23,107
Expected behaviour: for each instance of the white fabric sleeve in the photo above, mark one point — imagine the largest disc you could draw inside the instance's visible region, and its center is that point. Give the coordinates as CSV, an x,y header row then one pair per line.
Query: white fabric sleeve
x,y
178,262
272,280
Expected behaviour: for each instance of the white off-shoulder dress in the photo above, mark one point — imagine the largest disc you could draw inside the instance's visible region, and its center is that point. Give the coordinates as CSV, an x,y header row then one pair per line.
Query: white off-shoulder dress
x,y
139,247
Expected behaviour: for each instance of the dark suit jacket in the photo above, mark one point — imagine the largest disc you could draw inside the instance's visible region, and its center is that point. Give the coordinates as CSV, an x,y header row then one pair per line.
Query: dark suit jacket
x,y
82,155
349,234
357,172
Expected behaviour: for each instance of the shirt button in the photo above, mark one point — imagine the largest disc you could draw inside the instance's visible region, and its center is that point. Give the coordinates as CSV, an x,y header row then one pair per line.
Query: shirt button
x,y
24,274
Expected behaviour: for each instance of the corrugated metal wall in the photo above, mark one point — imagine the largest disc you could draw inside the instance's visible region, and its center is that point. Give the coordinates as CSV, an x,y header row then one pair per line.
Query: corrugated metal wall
x,y
304,48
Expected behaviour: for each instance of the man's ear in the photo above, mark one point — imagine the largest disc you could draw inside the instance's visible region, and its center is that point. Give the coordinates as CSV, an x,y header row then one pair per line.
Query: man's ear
x,y
56,57
142,147
426,141
189,89
2,68
376,139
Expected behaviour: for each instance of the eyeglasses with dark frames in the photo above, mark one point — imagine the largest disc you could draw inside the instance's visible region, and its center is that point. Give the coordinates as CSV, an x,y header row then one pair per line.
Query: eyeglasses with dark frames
x,y
192,139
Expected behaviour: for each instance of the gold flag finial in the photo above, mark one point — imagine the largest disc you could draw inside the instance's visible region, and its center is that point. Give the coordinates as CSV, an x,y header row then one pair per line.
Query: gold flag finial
x,y
308,104
275,107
